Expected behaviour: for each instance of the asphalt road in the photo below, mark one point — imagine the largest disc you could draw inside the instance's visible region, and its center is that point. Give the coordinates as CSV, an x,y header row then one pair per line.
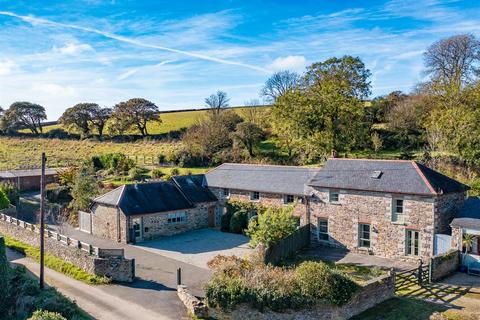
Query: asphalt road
x,y
144,299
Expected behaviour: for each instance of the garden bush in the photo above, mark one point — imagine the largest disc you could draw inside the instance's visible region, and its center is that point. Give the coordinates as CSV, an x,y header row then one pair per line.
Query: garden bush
x,y
236,281
157,173
271,226
4,202
46,315
57,193
10,191
321,283
239,221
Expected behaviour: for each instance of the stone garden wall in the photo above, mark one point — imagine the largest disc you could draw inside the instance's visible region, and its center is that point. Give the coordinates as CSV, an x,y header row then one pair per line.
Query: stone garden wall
x,y
81,254
444,264
373,293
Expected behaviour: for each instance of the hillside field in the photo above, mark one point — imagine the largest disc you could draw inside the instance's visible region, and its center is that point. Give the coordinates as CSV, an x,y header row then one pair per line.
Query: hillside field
x,y
25,152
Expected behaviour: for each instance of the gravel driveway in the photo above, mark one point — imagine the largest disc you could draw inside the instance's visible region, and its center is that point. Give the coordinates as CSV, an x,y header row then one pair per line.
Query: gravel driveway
x,y
197,247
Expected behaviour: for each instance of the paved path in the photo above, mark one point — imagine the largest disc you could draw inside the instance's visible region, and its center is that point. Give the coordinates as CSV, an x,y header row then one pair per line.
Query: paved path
x,y
153,270
342,256
111,302
197,247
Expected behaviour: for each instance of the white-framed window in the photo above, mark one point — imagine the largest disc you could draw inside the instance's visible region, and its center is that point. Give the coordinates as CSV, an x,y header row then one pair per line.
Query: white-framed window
x,y
398,215
323,229
177,217
288,198
333,196
412,242
364,235
254,195
226,193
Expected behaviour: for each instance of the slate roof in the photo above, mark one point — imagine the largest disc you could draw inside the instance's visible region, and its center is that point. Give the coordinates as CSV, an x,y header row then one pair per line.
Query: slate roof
x,y
263,178
26,173
469,215
177,194
192,187
396,176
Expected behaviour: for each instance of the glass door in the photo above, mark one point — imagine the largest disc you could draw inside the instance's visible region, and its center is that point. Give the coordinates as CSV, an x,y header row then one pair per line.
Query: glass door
x,y
412,243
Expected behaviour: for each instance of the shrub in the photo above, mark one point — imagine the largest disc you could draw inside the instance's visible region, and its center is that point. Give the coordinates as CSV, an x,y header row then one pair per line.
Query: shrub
x,y
321,283
157,173
10,191
46,315
57,193
239,221
273,225
225,292
136,173
174,172
4,202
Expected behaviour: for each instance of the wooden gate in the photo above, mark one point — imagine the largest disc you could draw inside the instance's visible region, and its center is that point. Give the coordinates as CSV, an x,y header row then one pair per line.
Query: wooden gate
x,y
414,277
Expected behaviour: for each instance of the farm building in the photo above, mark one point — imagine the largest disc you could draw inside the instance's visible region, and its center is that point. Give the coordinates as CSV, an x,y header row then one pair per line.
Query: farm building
x,y
27,180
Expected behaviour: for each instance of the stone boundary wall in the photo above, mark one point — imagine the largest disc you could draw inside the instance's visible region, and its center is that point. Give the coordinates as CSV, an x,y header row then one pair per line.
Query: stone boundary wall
x,y
444,264
101,262
194,306
371,294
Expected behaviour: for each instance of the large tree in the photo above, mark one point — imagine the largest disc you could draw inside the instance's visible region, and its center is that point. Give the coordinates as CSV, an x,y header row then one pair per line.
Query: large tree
x,y
218,101
136,113
280,83
100,116
453,61
25,115
79,117
328,111
249,135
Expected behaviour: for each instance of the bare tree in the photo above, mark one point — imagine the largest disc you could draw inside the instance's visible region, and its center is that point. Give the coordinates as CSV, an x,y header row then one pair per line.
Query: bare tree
x,y
278,84
218,101
453,61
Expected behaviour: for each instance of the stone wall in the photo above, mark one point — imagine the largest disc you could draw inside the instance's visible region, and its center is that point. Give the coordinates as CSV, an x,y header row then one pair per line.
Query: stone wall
x,y
387,238
115,267
443,265
373,293
266,199
194,306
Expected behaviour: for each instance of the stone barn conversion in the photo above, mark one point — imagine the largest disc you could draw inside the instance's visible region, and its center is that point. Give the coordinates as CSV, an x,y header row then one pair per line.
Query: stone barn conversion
x,y
138,212
28,180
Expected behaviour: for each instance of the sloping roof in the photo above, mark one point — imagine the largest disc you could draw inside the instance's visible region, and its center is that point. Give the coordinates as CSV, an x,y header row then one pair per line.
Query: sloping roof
x,y
146,198
265,178
192,187
26,173
396,176
469,215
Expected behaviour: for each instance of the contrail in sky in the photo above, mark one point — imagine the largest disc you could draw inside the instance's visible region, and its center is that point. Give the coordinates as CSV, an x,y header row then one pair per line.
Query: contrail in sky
x,y
34,21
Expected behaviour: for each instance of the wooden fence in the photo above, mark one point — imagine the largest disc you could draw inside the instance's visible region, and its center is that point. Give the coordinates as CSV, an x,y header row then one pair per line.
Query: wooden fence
x,y
289,246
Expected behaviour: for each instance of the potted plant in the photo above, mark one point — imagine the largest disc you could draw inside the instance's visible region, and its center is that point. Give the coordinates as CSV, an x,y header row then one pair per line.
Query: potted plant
x,y
467,243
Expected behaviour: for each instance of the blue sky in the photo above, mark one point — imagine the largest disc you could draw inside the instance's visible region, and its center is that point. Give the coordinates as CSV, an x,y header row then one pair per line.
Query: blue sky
x,y
175,53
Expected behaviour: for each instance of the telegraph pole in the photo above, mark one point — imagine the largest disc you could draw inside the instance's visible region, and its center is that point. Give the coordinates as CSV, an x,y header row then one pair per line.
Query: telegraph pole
x,y
42,223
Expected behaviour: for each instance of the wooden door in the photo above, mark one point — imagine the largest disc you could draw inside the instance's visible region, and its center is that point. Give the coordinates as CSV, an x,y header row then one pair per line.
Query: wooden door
x,y
211,217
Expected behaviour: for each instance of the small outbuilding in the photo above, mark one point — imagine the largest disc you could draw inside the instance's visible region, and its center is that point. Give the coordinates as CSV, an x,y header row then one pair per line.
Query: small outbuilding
x,y
28,180
138,212
467,222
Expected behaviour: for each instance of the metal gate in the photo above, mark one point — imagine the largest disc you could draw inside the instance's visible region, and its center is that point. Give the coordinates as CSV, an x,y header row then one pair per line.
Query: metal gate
x,y
442,243
85,221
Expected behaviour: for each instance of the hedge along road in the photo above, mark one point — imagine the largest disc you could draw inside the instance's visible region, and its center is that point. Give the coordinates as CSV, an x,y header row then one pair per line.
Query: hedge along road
x,y
108,302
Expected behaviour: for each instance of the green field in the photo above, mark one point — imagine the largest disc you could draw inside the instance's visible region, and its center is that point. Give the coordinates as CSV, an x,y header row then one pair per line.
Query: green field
x,y
25,152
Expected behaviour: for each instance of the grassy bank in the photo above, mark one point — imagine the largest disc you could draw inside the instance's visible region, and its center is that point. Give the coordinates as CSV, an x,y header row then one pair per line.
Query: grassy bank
x,y
55,263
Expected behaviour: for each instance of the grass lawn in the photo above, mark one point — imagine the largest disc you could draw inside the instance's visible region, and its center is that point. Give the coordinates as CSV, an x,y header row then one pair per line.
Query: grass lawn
x,y
401,309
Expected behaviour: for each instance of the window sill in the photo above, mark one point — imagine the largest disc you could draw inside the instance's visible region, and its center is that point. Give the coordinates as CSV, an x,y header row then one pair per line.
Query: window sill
x,y
400,223
336,203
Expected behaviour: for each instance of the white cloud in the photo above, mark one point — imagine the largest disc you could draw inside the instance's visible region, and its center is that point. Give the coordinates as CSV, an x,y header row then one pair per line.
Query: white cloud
x,y
73,48
7,67
55,89
294,63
